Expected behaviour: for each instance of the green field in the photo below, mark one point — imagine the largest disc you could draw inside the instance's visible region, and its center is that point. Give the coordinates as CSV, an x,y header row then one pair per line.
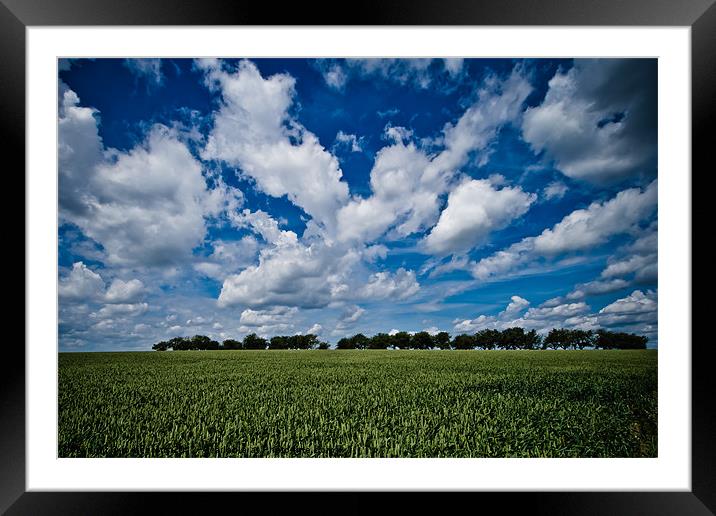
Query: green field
x,y
358,404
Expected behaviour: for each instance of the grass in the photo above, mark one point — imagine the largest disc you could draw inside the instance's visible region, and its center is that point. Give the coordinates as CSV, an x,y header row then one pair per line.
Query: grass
x,y
358,404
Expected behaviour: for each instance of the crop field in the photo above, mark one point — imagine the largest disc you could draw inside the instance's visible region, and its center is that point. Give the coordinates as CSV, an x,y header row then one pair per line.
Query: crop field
x,y
332,403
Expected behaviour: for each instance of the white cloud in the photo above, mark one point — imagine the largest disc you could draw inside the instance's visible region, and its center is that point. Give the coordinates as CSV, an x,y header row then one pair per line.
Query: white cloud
x,y
498,102
253,130
637,308
82,284
636,303
635,313
542,318
269,317
561,311
581,230
592,226
120,310
316,329
85,285
148,69
473,325
397,133
349,317
639,258
335,77
383,285
307,273
146,206
421,73
454,65
474,209
79,149
517,304
121,291
228,257
598,120
407,183
626,266
349,141
503,261
597,287
554,191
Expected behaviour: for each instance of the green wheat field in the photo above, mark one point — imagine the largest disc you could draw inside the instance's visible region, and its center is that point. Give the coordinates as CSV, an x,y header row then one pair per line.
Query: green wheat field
x,y
358,403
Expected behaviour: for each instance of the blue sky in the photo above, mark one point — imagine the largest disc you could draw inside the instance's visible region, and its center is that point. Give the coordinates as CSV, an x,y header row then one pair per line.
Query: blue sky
x,y
280,196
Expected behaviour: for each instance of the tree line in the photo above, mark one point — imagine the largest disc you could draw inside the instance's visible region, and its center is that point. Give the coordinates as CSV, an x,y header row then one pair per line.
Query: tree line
x,y
510,338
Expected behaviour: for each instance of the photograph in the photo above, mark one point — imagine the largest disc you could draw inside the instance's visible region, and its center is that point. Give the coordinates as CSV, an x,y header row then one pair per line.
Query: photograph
x,y
348,257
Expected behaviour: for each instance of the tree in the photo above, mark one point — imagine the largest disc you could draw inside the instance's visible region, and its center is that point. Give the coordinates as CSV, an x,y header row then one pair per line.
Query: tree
x,y
606,339
553,339
232,344
512,338
360,341
581,338
379,341
441,340
323,345
309,341
421,340
278,342
253,341
345,343
464,342
401,340
532,340
161,346
488,339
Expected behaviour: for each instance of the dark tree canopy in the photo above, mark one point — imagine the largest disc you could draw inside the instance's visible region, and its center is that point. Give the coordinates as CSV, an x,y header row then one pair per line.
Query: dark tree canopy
x,y
509,338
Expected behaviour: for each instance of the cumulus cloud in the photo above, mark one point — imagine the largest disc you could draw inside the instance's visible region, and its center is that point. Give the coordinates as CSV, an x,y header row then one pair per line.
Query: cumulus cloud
x,y
636,312
316,329
290,272
540,318
581,230
254,131
146,206
228,257
82,284
561,311
637,307
383,285
592,226
636,262
120,291
517,304
598,119
474,209
472,325
407,183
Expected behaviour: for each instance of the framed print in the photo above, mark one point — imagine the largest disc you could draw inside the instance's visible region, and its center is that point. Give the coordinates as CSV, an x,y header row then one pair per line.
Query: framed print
x,y
416,253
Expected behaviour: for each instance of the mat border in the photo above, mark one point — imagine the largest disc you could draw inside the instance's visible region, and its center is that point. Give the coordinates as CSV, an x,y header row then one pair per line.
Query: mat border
x,y
700,15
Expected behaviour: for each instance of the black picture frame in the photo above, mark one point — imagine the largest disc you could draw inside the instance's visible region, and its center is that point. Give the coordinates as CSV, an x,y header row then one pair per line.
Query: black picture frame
x,y
700,15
